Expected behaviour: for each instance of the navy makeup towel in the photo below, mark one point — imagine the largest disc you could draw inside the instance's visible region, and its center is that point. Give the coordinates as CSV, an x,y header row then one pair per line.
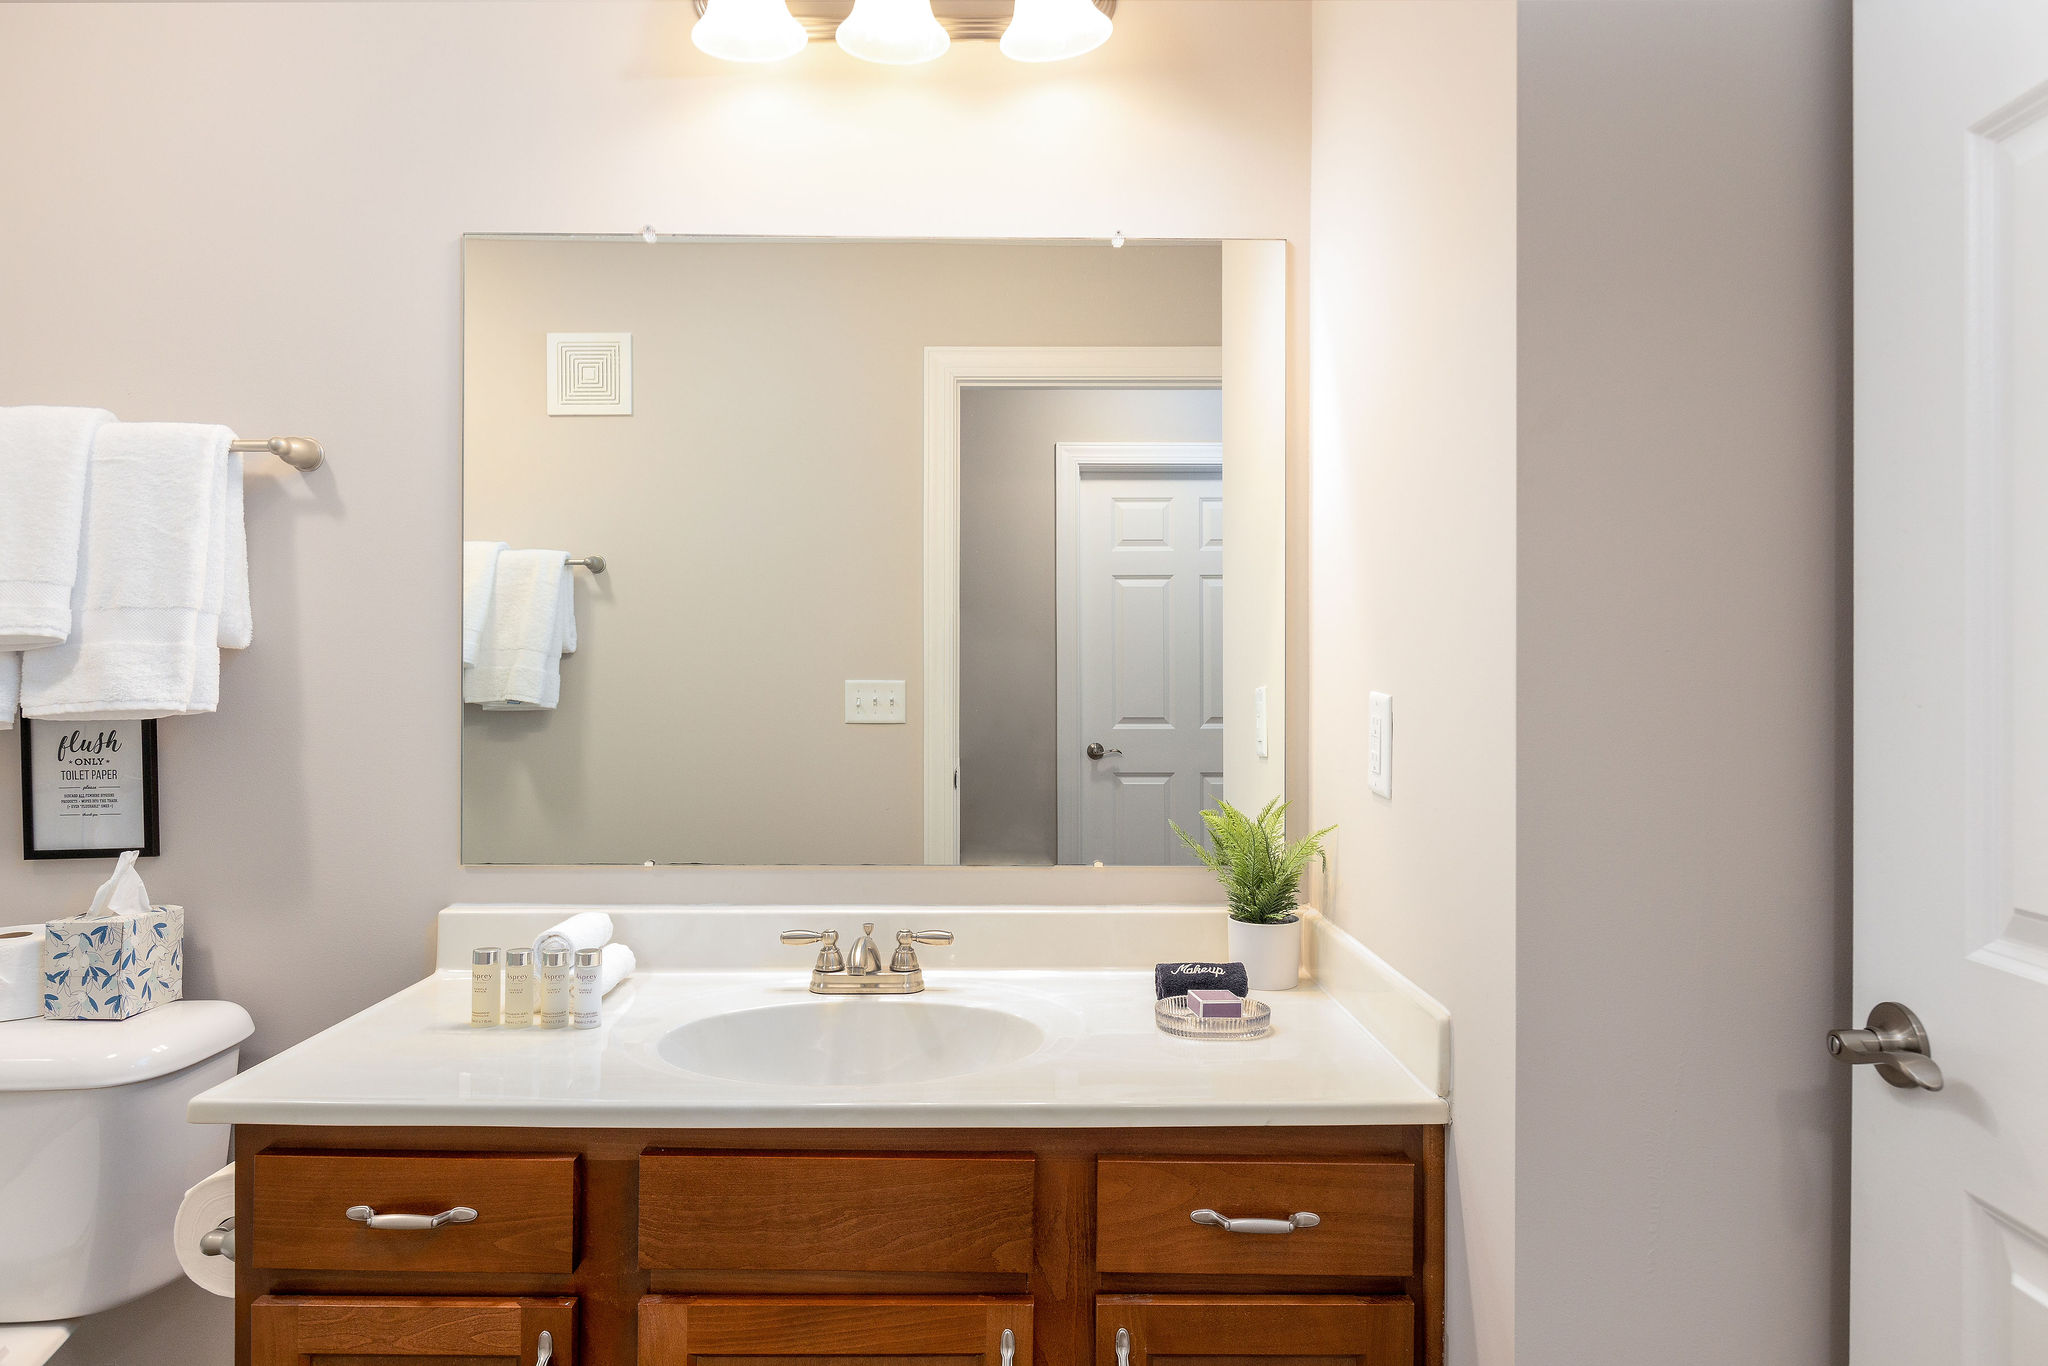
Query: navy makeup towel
x,y
1174,979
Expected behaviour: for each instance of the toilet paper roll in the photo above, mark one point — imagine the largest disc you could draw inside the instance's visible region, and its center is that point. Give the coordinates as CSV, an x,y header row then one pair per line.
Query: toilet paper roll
x,y
199,1214
21,971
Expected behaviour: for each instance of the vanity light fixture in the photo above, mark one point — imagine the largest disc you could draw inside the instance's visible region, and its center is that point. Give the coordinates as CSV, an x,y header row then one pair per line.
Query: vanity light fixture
x,y
749,31
1054,30
894,32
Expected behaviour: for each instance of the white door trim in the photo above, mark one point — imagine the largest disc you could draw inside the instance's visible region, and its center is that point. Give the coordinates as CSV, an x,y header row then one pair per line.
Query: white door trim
x,y
948,370
1074,459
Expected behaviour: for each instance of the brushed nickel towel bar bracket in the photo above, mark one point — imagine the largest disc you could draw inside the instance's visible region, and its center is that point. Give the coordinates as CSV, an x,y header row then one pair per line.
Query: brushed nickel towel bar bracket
x,y
302,453
594,563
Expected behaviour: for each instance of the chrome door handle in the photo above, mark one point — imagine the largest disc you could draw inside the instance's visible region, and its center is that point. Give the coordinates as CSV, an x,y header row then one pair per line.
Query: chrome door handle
x,y
1009,1348
1123,1347
1228,1225
363,1214
1096,751
1894,1040
545,1352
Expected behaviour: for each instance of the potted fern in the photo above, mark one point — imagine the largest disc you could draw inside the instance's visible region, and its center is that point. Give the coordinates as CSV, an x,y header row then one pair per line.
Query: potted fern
x,y
1261,876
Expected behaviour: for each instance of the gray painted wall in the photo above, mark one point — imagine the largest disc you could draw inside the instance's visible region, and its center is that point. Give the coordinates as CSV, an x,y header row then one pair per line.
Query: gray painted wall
x,y
1683,681
1009,788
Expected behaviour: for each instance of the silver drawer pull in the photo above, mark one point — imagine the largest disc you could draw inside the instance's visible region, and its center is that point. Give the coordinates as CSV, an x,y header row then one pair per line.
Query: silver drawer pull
x,y
1287,1225
1123,1347
545,1353
1009,1348
363,1214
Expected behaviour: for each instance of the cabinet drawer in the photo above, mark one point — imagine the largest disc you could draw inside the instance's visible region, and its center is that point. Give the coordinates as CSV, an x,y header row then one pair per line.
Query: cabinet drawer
x,y
839,1212
291,1330
844,1330
1313,1330
1367,1211
525,1211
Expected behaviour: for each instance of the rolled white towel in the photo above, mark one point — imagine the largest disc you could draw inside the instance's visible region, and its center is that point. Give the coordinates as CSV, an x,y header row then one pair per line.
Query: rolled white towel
x,y
583,930
614,967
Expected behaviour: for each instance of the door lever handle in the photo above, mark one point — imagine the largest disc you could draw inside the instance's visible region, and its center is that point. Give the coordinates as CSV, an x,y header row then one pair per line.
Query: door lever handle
x,y
1894,1041
1096,751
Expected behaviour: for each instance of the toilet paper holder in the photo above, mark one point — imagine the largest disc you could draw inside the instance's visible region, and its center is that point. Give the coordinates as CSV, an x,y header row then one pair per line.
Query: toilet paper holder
x,y
219,1241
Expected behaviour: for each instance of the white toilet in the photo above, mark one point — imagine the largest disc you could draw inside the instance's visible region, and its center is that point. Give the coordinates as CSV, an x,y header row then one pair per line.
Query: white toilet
x,y
95,1153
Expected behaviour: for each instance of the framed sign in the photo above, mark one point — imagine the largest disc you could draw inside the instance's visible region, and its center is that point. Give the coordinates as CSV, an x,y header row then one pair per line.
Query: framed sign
x,y
88,788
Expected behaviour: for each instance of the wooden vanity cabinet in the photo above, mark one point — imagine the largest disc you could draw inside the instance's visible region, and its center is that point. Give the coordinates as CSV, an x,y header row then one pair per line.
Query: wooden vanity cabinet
x,y
840,1247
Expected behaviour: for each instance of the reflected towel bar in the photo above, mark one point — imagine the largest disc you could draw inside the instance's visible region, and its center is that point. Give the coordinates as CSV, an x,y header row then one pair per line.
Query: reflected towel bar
x,y
300,452
594,563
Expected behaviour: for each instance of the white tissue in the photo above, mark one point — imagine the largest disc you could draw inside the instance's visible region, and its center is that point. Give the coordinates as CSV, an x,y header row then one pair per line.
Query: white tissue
x,y
614,967
123,892
199,1214
21,972
583,930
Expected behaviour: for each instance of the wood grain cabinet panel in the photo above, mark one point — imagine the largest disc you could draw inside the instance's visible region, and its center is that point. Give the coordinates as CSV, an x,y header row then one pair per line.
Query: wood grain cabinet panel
x,y
525,1204
333,1330
936,1330
836,1212
1263,1330
1367,1210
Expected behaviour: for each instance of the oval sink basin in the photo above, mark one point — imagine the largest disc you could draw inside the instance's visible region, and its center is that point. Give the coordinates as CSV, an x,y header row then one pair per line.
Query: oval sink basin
x,y
855,1042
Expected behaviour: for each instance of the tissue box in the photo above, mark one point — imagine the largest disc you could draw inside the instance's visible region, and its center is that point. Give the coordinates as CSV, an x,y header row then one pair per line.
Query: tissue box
x,y
109,967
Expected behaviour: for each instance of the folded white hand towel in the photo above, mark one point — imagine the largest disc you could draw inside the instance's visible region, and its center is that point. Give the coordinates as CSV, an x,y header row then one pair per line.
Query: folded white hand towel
x,y
529,620
583,930
237,625
44,454
145,637
10,687
479,573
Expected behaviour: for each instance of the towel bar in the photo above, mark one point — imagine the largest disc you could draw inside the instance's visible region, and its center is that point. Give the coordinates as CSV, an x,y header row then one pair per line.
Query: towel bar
x,y
594,563
300,452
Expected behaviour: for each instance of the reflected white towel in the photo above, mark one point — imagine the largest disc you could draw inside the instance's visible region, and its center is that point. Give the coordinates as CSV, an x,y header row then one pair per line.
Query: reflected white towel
x,y
152,580
44,456
479,573
10,687
530,621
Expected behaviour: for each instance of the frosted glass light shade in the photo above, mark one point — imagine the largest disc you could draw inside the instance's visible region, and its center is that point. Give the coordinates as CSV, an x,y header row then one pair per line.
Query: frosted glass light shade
x,y
1053,30
749,31
897,32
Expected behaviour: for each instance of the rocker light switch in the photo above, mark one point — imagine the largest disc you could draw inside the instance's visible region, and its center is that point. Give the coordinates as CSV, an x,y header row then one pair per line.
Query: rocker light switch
x,y
874,702
1379,745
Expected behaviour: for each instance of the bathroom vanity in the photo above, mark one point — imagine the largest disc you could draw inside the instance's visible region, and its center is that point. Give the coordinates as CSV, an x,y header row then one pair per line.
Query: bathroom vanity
x,y
1011,1167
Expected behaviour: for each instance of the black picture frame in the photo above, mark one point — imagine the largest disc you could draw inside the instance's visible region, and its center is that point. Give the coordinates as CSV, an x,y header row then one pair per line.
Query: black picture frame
x,y
151,845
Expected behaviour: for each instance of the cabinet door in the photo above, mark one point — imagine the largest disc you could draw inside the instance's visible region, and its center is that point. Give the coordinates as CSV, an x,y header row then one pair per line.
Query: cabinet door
x,y
937,1330
362,1330
1208,1330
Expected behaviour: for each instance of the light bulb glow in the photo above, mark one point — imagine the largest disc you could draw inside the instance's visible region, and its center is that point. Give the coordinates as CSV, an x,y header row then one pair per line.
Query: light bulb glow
x,y
749,31
894,32
1054,30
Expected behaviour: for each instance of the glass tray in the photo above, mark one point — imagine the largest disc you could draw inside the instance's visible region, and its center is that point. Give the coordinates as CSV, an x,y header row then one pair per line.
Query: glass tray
x,y
1171,1013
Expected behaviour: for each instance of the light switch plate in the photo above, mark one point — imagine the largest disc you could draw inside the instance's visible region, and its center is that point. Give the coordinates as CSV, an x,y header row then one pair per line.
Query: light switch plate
x,y
874,702
1379,745
1259,720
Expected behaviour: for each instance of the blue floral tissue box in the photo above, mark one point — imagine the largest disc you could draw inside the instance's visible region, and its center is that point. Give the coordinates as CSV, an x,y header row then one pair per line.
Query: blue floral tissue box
x,y
109,967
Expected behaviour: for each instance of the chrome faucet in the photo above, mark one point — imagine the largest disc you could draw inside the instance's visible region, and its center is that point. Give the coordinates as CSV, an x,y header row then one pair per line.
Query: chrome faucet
x,y
860,972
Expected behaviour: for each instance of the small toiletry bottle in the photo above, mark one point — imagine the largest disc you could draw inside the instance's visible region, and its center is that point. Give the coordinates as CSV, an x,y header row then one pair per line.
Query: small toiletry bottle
x,y
518,988
584,1012
554,988
483,988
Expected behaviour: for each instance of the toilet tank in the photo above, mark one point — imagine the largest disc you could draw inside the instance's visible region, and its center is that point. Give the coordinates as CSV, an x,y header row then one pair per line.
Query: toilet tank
x,y
95,1153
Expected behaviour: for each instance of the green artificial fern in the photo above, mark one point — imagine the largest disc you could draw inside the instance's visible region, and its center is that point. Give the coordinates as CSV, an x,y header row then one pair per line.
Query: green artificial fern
x,y
1260,871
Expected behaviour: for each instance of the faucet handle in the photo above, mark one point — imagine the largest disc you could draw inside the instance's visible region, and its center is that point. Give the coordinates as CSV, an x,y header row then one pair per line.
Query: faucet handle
x,y
828,957
905,959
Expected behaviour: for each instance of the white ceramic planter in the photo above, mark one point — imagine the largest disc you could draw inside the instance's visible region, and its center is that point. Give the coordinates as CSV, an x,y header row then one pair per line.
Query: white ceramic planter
x,y
1271,954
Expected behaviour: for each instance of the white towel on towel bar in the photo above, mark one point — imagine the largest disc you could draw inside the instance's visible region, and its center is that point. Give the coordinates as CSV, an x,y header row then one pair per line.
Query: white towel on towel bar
x,y
479,574
44,455
529,625
161,558
10,687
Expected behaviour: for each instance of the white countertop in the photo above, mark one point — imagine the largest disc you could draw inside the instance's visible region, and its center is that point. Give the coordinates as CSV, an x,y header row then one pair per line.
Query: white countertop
x,y
413,1059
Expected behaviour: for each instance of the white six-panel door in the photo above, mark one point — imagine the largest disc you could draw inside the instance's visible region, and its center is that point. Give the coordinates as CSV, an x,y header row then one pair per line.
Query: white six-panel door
x,y
1949,1189
1141,660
